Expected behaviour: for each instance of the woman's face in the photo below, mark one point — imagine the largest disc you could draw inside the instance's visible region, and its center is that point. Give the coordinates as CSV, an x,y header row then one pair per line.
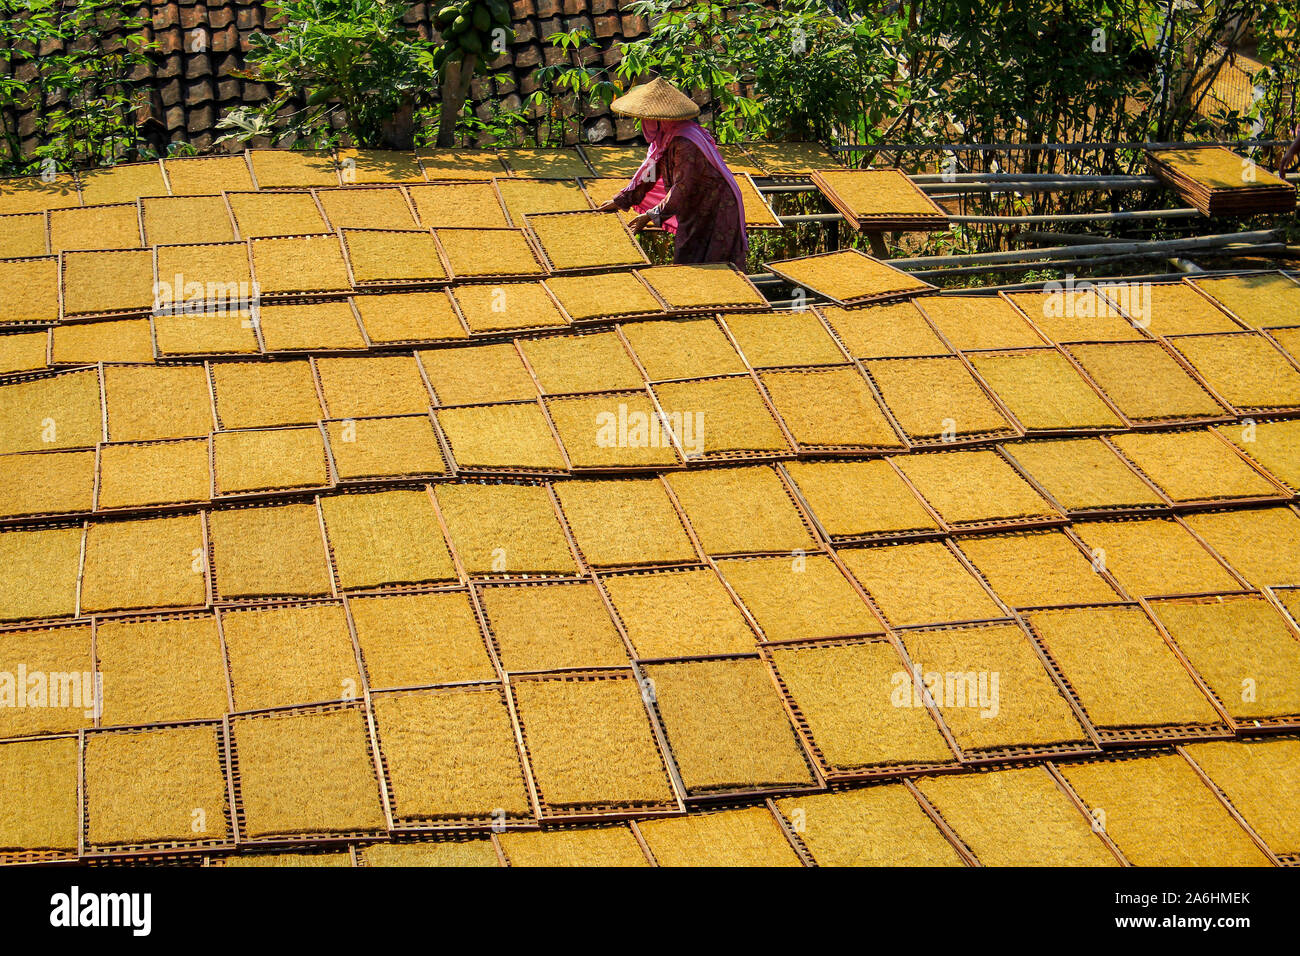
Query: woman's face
x,y
650,128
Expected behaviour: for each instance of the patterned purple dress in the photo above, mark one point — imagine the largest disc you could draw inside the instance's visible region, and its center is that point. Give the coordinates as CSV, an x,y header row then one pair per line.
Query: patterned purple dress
x,y
710,227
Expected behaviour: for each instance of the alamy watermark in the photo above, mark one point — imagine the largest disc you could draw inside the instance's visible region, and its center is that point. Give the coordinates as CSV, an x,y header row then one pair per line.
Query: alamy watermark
x,y
623,427
947,689
76,690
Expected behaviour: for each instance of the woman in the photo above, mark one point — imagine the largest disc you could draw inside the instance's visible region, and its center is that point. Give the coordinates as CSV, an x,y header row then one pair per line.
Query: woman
x,y
684,184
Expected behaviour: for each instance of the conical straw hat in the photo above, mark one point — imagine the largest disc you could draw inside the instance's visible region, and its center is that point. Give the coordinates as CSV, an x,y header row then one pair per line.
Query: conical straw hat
x,y
656,100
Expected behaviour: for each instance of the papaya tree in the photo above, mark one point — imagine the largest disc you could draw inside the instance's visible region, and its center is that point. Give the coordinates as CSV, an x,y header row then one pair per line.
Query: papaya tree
x,y
474,32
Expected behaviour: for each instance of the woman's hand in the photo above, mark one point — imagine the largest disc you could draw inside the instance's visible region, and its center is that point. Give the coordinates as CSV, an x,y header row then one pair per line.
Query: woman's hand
x,y
640,222
607,207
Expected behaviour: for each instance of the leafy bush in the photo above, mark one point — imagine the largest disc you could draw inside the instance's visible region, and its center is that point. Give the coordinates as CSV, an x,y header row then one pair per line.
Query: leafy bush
x,y
354,59
1029,72
83,87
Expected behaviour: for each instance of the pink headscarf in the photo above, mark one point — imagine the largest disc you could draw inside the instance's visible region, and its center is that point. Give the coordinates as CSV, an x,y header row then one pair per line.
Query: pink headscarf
x,y
659,133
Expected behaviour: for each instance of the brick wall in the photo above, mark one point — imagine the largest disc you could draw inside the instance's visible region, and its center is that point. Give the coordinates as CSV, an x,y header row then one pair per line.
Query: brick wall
x,y
202,43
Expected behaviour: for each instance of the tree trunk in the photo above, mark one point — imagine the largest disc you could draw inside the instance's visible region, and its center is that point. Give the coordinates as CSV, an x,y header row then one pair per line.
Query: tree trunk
x,y
455,88
398,130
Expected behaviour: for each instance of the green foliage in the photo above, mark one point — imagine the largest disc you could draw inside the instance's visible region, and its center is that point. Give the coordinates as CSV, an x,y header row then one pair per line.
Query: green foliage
x,y
353,58
703,46
1029,72
83,88
569,91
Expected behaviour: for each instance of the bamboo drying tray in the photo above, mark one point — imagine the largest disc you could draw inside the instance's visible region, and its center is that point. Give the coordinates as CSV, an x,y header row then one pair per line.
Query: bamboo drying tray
x,y
936,400
113,341
577,241
268,552
132,410
367,166
830,409
785,338
505,529
114,282
386,538
126,182
551,627
1036,719
450,758
419,639
727,727
24,234
623,522
869,826
614,161
859,500
95,227
269,459
1044,391
173,220
300,265
1261,544
504,438
682,348
1246,370
545,163
1155,557
1262,301
376,384
508,307
849,278
299,773
489,254
395,318
1163,393
677,612
366,207
481,373
262,214
893,330
703,288
302,327
264,394
1129,683
394,447
153,473
206,175
854,733
293,169
745,510
287,655
1196,466
469,204
1234,643
1037,569
601,297
1219,182
1016,817
569,364
460,164
798,599
70,399
879,199
48,483
1084,476
144,563
33,194
1136,794
920,583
